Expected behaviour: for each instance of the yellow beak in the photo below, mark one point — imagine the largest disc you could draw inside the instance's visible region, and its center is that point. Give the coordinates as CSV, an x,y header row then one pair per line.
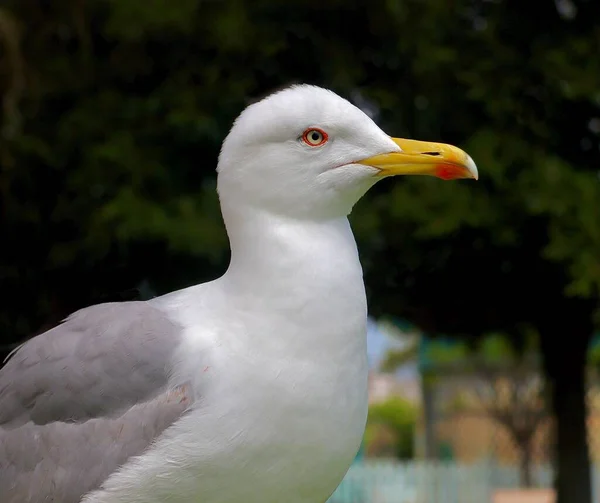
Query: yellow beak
x,y
424,158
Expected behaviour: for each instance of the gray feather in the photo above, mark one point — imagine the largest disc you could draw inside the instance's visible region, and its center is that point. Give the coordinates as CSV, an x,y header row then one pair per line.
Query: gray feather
x,y
78,401
61,462
99,362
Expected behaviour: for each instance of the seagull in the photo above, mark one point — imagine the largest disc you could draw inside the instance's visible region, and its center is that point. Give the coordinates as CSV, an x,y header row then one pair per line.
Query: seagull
x,y
250,388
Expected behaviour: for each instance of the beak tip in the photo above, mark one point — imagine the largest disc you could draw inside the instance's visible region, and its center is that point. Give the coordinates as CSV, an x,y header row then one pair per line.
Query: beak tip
x,y
472,167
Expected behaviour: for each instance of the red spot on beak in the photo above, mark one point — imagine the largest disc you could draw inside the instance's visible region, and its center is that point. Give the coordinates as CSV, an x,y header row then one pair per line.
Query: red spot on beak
x,y
450,172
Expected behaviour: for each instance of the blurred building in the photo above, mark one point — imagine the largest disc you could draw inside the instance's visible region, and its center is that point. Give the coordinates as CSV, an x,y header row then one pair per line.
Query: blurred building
x,y
383,386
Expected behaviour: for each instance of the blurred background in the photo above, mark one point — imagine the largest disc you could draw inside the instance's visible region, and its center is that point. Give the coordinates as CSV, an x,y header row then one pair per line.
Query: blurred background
x,y
484,295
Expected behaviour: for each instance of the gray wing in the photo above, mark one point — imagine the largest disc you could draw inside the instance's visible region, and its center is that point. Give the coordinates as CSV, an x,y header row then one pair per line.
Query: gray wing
x,y
62,462
100,361
77,401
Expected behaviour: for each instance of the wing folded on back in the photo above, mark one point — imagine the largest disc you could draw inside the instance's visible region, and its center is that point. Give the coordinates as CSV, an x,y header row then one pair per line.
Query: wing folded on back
x,y
64,461
77,401
99,362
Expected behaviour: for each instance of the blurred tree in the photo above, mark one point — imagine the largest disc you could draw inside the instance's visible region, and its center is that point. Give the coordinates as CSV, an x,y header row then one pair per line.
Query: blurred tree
x,y
516,85
515,400
501,384
390,430
113,112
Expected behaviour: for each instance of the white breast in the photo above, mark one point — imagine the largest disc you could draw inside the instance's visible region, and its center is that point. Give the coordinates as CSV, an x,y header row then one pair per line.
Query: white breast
x,y
277,355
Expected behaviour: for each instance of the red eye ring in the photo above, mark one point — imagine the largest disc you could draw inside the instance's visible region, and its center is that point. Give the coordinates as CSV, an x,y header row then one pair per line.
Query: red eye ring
x,y
314,137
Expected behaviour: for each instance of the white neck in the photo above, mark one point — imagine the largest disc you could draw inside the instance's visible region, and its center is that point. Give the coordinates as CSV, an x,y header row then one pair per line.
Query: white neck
x,y
305,273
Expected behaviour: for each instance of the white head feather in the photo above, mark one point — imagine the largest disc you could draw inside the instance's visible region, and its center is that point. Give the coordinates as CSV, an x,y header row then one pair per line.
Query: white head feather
x,y
266,163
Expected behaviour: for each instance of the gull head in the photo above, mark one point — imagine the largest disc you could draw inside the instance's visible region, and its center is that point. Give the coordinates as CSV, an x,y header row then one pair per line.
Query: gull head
x,y
305,152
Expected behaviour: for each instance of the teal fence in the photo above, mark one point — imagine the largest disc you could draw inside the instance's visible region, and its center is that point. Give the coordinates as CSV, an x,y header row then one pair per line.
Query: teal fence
x,y
423,482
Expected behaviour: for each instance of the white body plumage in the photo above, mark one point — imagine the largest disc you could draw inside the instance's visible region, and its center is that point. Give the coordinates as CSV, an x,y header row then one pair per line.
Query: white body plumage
x,y
280,412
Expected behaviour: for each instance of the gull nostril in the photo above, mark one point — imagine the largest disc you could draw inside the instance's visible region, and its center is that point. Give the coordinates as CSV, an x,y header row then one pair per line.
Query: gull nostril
x,y
431,153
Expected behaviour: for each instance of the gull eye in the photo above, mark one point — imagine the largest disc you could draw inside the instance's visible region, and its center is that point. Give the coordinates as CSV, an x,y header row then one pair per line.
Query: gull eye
x,y
314,137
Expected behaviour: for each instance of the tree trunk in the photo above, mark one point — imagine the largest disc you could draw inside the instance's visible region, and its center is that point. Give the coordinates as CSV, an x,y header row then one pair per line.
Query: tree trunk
x,y
573,460
565,347
525,466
